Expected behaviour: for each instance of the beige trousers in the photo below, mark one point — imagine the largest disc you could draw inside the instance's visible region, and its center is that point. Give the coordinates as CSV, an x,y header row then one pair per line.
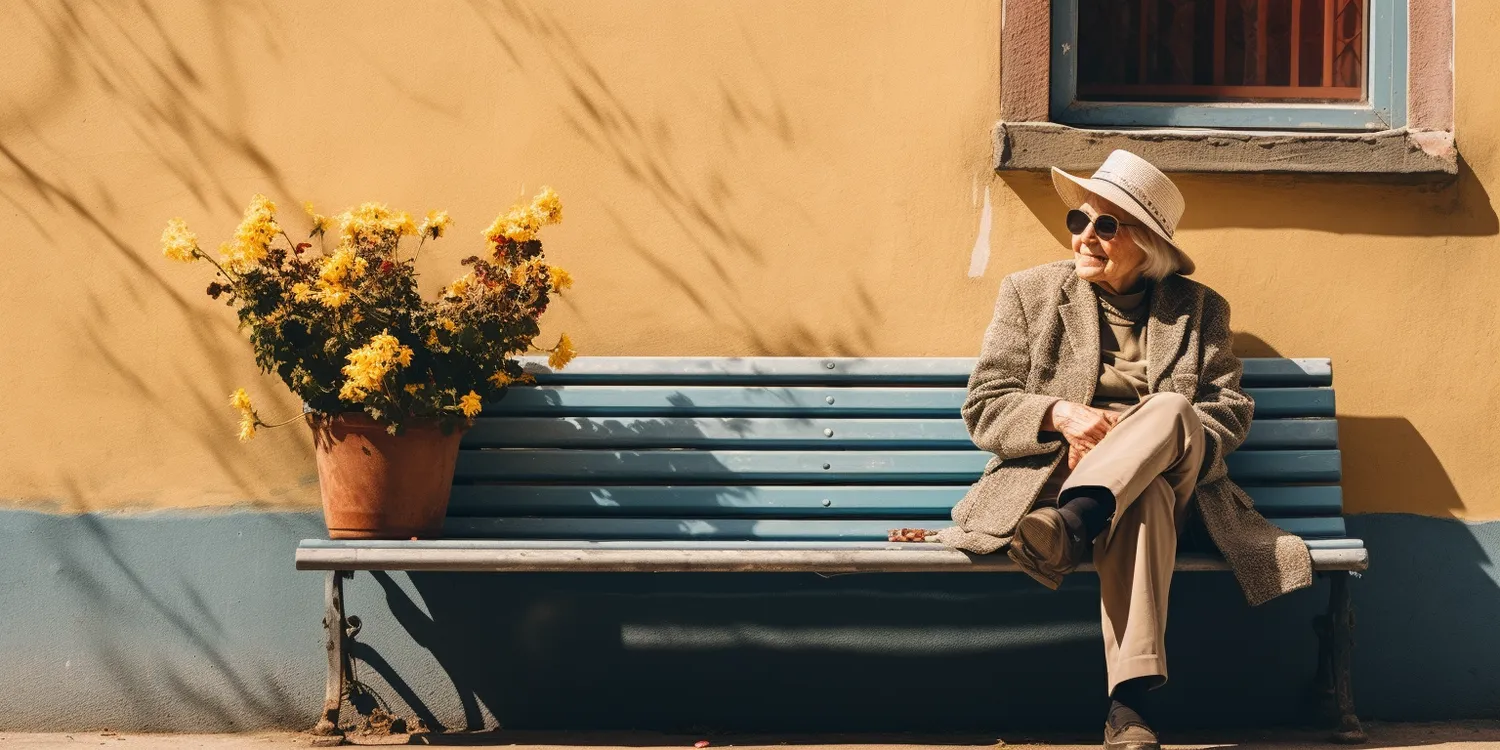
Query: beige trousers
x,y
1150,461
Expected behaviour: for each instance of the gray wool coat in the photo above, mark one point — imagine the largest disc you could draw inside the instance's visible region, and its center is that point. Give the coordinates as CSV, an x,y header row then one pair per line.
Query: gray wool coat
x,y
1043,345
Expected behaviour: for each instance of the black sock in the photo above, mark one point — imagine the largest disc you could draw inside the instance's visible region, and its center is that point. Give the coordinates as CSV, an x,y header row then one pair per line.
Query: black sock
x,y
1129,701
1087,510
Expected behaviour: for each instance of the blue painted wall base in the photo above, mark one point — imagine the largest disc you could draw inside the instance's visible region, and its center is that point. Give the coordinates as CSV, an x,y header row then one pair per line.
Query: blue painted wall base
x,y
174,622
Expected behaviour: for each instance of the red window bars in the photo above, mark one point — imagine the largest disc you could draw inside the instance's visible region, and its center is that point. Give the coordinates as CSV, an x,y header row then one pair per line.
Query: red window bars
x,y
1221,50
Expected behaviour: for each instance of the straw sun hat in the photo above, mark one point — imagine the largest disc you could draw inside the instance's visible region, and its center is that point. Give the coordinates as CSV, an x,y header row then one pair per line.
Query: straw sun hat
x,y
1139,189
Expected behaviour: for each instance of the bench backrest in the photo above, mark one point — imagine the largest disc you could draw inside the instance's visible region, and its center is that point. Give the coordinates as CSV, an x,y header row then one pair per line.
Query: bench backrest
x,y
805,449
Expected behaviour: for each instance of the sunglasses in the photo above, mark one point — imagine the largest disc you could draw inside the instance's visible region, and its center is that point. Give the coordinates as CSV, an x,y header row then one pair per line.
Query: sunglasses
x,y
1105,226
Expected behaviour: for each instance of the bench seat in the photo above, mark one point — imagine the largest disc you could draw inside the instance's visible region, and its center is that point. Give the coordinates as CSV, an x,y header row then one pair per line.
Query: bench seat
x,y
520,556
787,464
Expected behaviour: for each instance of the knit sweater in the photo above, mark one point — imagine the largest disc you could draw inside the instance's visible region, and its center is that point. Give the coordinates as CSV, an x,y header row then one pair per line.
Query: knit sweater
x,y
1122,348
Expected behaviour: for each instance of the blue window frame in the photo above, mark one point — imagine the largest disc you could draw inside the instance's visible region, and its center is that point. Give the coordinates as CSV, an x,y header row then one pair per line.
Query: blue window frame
x,y
1383,107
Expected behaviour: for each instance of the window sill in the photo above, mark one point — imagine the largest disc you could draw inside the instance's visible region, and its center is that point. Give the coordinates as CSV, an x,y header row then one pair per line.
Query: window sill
x,y
1040,145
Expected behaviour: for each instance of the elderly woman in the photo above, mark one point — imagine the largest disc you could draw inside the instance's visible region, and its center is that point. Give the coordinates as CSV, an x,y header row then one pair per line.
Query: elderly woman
x,y
1108,393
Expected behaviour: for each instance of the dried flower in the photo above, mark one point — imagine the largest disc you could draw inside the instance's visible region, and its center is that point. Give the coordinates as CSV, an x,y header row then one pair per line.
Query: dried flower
x,y
560,279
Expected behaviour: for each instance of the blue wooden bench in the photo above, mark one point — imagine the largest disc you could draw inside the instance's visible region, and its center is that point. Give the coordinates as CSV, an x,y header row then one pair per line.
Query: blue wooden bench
x,y
795,464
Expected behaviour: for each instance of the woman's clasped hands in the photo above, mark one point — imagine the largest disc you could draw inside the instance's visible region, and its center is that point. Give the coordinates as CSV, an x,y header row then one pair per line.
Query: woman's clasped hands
x,y
1082,426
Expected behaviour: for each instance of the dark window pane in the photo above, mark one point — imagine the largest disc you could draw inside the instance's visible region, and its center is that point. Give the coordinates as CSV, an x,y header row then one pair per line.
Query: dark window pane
x,y
1221,50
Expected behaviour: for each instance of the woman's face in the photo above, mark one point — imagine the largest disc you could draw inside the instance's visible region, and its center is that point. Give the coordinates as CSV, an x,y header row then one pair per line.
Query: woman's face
x,y
1115,263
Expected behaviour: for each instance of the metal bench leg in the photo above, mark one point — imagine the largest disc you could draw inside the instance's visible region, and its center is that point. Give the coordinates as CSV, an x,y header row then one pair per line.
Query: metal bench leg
x,y
336,631
1339,642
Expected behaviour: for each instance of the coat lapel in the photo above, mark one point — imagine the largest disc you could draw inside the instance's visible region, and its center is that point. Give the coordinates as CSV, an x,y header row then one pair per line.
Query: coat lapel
x,y
1080,318
1165,331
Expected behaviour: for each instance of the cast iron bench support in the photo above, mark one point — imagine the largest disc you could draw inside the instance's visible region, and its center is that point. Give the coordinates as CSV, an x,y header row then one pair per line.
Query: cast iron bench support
x,y
797,464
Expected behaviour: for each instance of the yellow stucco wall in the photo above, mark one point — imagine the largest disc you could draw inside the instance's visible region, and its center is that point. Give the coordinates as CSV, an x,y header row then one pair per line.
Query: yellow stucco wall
x,y
740,178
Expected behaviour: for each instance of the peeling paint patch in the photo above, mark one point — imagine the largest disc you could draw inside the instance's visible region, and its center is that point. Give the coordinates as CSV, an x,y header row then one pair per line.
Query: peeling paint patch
x,y
979,259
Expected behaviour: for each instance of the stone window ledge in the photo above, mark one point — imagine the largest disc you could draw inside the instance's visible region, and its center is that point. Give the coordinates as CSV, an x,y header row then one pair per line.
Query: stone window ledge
x,y
1040,145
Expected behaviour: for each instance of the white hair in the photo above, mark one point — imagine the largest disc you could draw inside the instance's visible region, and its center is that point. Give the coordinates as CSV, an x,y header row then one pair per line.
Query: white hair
x,y
1161,260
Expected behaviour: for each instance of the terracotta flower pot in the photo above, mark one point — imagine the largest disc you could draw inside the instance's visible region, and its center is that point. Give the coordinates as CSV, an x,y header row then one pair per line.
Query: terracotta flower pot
x,y
381,486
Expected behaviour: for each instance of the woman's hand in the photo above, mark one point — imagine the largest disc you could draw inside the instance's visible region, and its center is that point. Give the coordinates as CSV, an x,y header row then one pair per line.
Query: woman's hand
x,y
1082,426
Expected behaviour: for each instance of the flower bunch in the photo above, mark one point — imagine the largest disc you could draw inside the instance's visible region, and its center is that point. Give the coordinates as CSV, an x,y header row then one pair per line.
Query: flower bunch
x,y
345,327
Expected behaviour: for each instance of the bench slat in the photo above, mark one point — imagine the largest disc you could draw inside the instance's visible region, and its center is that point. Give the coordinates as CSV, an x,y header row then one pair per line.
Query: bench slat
x,y
788,501
586,466
885,558
658,544
930,370
801,434
807,401
749,529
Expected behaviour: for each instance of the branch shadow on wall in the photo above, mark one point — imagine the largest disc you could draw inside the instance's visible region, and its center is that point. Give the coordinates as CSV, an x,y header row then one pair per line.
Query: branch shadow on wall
x,y
704,199
1457,206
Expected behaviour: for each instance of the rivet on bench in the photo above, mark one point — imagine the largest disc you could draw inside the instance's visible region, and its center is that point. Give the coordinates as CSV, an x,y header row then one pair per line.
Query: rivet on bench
x,y
828,466
829,399
827,502
829,365
828,432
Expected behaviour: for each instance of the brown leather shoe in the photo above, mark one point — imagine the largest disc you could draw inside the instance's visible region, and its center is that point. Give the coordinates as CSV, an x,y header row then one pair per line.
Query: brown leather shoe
x,y
1043,548
1122,733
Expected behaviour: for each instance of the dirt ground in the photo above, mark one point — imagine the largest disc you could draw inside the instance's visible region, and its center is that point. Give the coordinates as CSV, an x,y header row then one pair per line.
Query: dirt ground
x,y
1454,735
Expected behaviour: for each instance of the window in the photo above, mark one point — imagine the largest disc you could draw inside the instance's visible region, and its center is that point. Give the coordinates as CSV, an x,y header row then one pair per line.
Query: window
x,y
1282,64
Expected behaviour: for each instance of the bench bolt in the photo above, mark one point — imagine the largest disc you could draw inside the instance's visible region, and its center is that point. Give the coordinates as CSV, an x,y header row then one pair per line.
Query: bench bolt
x,y
829,399
828,432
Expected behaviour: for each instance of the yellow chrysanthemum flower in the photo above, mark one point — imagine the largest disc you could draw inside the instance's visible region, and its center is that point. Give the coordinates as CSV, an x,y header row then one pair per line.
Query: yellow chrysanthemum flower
x,y
437,222
500,379
412,388
240,401
337,269
178,243
547,207
562,354
374,224
470,404
302,291
460,287
519,224
319,221
369,364
334,297
560,279
447,324
253,236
